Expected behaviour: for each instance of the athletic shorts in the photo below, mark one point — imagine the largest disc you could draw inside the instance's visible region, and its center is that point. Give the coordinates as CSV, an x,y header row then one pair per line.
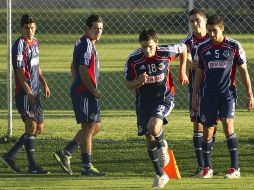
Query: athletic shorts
x,y
158,109
86,107
210,106
25,109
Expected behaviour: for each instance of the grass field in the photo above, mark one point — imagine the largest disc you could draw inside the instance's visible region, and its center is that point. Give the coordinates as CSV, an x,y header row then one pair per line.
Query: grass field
x,y
117,149
120,153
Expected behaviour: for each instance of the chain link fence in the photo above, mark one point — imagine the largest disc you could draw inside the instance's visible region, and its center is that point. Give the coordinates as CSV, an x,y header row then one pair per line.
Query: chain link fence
x,y
61,22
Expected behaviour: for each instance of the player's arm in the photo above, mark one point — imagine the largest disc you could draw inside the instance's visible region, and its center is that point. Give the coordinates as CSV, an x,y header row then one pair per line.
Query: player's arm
x,y
24,84
182,77
44,84
134,84
196,86
73,73
247,84
87,80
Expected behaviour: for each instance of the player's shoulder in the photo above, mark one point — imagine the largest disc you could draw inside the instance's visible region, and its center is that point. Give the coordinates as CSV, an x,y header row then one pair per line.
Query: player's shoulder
x,y
204,44
135,56
187,39
232,42
19,44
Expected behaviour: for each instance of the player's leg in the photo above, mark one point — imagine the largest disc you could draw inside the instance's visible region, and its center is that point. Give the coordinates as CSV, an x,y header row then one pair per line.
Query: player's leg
x,y
208,114
227,111
161,177
86,146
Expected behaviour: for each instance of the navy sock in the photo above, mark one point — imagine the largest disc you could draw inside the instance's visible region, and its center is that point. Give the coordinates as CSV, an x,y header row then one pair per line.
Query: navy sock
x,y
232,147
13,151
71,146
159,139
86,160
207,146
153,155
29,146
197,142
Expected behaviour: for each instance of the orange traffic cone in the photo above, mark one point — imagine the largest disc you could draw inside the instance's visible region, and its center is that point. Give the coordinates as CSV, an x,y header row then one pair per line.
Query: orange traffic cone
x,y
172,169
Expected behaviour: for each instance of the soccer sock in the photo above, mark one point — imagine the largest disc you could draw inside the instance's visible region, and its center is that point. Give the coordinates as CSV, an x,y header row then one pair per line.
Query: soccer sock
x,y
197,142
86,160
153,155
71,146
207,146
232,147
159,139
29,146
13,151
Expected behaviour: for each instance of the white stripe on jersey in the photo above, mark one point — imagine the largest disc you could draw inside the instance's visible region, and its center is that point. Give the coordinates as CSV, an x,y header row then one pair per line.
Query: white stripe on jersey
x,y
187,38
88,53
20,52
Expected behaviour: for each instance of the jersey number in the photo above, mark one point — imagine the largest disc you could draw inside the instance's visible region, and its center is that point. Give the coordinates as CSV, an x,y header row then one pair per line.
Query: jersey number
x,y
217,54
152,68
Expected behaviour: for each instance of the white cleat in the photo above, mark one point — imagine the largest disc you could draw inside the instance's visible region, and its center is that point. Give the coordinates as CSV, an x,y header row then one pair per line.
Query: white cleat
x,y
233,173
207,173
163,154
160,181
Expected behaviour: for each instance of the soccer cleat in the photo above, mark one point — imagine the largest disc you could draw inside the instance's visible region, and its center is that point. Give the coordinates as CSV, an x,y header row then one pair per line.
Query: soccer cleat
x,y
160,181
64,160
207,173
232,173
10,163
92,171
163,154
37,170
199,172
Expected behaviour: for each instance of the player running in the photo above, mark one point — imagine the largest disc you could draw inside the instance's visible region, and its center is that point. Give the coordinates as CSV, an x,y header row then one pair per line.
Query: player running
x,y
147,71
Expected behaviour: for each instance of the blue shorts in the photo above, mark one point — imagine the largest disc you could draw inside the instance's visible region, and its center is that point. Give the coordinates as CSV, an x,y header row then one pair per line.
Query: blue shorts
x,y
86,107
210,106
158,109
25,109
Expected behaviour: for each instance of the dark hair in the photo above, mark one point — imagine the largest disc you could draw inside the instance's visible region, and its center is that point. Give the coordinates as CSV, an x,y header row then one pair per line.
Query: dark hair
x,y
215,20
26,19
148,34
197,11
93,18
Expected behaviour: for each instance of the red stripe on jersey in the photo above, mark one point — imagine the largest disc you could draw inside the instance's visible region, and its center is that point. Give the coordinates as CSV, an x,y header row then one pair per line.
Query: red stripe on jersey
x,y
170,83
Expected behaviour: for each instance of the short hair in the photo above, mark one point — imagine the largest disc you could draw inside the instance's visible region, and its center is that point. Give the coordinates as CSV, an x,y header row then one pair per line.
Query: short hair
x,y
93,18
26,19
148,34
197,11
215,20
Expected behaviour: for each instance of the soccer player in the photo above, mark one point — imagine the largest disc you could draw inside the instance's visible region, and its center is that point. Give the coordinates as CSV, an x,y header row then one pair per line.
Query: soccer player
x,y
218,58
197,20
147,71
84,96
25,60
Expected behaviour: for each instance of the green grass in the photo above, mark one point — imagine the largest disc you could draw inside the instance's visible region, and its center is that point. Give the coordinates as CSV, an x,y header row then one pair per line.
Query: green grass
x,y
122,154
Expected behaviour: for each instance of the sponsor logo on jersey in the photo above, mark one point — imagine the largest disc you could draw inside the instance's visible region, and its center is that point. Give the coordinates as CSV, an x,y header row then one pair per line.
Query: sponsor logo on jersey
x,y
161,66
157,78
143,67
217,64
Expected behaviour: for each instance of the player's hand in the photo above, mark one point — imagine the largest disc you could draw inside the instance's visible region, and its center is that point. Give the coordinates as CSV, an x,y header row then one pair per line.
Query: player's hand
x,y
142,78
249,103
31,99
183,79
194,103
96,93
46,91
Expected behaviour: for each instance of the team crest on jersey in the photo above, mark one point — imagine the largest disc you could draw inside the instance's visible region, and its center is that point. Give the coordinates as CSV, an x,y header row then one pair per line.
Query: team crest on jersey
x,y
143,67
227,53
161,66
19,57
87,55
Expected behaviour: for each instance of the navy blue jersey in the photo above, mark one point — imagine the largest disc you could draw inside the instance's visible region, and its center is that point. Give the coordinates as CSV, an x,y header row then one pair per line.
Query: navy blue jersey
x,y
85,54
219,64
160,84
25,55
192,42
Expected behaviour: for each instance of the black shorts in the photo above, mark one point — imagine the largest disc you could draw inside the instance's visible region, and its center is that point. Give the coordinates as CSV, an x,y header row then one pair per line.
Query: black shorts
x,y
86,107
25,109
158,109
